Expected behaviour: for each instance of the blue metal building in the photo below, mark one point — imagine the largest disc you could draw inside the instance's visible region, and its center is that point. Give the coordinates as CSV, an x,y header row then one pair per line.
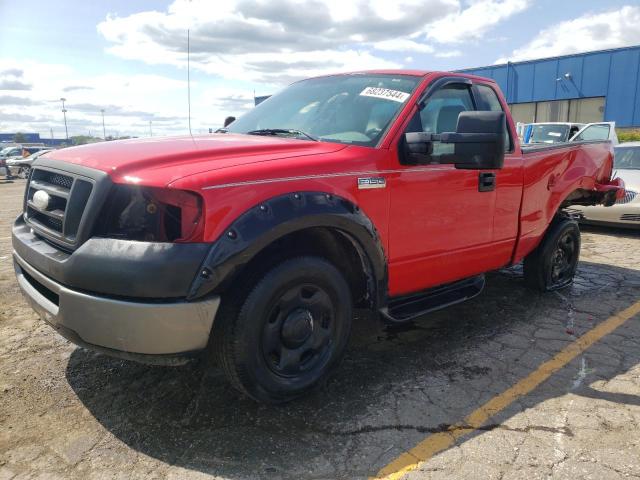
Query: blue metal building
x,y
34,138
587,87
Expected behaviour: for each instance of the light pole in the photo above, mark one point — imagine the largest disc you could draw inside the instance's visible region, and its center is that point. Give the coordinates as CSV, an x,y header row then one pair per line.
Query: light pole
x,y
64,112
104,132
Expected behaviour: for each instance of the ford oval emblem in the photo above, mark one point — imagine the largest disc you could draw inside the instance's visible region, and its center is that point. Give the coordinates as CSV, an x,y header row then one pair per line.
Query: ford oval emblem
x,y
41,199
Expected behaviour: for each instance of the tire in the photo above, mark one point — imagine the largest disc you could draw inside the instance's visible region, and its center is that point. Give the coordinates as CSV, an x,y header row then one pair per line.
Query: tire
x,y
23,172
552,265
288,333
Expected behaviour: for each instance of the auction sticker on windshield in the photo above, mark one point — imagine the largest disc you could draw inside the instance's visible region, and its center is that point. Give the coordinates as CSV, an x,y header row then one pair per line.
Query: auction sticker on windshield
x,y
385,93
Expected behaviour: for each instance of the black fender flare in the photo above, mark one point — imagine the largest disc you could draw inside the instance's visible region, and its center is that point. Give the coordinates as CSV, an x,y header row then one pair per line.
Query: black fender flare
x,y
272,219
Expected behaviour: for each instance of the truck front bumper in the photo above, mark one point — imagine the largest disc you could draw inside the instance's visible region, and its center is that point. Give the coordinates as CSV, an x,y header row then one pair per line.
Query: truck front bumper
x,y
156,332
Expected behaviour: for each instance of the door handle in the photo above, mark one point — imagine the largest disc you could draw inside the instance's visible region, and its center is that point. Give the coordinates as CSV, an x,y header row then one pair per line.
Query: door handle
x,y
486,182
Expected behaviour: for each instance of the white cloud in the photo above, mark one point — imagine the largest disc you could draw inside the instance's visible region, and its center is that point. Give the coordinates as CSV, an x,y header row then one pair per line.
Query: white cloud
x,y
473,22
592,31
402,45
276,41
448,53
129,101
240,39
235,45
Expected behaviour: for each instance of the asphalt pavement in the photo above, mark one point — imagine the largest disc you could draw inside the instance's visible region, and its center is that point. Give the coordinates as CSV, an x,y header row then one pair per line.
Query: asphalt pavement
x,y
512,384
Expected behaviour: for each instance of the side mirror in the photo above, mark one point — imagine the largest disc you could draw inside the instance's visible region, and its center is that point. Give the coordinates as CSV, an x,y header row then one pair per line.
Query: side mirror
x,y
479,142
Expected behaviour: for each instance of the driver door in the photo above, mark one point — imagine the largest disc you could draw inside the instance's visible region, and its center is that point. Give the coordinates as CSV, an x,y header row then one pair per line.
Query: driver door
x,y
441,223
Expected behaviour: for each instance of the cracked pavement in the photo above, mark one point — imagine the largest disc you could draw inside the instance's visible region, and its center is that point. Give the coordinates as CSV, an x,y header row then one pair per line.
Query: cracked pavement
x,y
69,413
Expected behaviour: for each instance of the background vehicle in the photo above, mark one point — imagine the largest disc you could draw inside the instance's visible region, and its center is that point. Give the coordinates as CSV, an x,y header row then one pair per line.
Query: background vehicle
x,y
16,152
626,211
559,132
10,151
550,132
598,132
20,150
6,153
20,166
392,191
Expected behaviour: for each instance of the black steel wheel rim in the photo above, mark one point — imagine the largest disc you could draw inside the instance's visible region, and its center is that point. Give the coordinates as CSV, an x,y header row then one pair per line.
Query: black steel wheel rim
x,y
563,259
298,336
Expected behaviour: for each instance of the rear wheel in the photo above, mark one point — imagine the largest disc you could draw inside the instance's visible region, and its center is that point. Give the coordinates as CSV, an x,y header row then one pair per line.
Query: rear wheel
x,y
285,336
552,265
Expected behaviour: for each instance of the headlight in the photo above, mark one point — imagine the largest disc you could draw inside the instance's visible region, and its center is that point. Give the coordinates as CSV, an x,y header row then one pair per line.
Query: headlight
x,y
152,215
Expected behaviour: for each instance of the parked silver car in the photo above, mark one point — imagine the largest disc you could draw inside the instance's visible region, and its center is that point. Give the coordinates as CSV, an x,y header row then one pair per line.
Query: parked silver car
x,y
626,211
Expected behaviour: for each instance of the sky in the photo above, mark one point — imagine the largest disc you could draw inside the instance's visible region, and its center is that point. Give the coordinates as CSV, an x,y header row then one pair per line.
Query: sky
x,y
130,58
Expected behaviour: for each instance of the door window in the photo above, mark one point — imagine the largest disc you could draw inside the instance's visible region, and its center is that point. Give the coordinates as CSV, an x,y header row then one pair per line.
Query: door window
x,y
440,115
594,132
488,101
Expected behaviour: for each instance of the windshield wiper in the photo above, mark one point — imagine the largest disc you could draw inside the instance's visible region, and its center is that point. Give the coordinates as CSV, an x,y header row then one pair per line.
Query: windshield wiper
x,y
278,131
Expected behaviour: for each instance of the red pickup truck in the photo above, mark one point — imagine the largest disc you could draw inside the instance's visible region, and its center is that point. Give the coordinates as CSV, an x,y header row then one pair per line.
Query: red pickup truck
x,y
392,191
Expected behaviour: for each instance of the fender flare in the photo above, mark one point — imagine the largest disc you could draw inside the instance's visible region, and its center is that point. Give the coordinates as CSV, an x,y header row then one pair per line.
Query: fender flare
x,y
272,219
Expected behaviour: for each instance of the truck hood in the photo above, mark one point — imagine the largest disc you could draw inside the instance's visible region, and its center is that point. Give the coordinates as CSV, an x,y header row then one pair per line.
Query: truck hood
x,y
162,160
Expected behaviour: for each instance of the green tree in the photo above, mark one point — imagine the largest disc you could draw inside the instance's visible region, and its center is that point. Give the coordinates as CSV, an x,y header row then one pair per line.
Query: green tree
x,y
83,139
19,138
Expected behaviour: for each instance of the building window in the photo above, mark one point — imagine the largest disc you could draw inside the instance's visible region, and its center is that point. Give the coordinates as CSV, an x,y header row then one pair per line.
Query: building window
x,y
523,112
579,110
586,110
557,111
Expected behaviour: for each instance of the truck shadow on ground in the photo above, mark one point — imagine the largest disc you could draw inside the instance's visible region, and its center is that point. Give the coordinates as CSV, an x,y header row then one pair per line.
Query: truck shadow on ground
x,y
620,232
394,388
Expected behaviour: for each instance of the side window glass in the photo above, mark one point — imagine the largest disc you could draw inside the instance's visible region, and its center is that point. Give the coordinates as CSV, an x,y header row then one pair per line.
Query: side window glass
x,y
488,101
594,132
440,114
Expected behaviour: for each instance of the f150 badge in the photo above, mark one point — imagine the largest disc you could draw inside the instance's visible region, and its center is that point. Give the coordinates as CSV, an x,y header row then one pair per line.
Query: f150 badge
x,y
365,183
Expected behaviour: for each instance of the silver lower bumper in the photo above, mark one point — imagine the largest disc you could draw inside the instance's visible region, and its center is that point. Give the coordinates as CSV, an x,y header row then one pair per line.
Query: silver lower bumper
x,y
122,326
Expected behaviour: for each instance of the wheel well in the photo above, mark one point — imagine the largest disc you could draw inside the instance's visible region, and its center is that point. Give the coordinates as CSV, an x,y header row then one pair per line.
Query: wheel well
x,y
581,196
332,244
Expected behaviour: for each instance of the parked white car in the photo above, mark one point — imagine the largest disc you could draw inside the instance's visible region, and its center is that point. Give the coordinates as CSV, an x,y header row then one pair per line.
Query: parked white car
x,y
21,166
626,211
597,131
560,132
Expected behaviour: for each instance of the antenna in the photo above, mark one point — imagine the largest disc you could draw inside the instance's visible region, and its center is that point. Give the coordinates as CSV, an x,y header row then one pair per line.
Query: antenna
x,y
188,82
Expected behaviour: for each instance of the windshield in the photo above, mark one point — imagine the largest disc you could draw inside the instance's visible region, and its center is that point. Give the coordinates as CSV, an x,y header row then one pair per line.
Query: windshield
x,y
627,158
549,133
353,109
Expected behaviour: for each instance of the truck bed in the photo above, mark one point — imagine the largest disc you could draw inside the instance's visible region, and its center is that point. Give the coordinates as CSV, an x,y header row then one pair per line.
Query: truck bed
x,y
552,172
543,147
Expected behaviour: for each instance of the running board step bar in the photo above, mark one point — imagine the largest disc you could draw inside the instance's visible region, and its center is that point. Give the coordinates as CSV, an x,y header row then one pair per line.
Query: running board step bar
x,y
409,307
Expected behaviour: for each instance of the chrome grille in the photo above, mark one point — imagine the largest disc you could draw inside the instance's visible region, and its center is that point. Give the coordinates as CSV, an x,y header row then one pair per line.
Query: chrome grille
x,y
628,197
68,194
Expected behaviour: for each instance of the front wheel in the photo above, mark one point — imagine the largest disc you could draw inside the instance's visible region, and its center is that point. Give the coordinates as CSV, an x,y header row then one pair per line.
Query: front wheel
x,y
288,333
23,172
552,265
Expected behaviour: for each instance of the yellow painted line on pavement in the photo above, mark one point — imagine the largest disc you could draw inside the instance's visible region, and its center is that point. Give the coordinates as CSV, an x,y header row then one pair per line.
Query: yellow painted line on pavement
x,y
438,442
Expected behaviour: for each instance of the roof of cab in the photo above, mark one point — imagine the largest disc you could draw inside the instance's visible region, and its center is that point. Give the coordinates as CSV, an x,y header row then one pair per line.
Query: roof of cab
x,y
415,73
